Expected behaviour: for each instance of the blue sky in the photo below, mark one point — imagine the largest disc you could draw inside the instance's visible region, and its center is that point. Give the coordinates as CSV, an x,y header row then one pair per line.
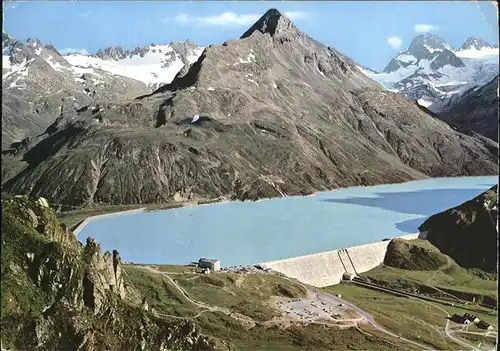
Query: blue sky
x,y
370,32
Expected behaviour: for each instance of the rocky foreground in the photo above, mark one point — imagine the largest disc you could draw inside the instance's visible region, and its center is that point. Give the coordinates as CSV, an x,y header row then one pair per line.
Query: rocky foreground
x,y
270,114
60,295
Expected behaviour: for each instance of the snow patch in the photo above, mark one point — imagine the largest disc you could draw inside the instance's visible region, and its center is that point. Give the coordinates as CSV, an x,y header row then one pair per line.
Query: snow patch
x,y
5,62
195,118
249,59
406,58
253,81
82,70
153,68
475,53
210,89
364,71
21,70
56,66
433,50
274,85
425,101
320,72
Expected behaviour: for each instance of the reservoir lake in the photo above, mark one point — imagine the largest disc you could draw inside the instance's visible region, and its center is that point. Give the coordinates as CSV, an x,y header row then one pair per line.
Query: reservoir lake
x,y
240,233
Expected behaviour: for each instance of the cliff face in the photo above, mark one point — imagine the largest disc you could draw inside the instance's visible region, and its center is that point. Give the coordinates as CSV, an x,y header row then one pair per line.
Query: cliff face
x,y
468,233
477,110
60,295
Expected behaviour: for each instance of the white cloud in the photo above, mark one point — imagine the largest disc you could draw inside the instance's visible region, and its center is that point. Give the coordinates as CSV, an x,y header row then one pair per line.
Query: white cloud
x,y
228,19
297,15
424,28
395,42
67,51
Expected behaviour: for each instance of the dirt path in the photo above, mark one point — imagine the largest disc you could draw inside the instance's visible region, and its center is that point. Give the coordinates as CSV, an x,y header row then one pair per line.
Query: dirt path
x,y
447,331
205,307
431,278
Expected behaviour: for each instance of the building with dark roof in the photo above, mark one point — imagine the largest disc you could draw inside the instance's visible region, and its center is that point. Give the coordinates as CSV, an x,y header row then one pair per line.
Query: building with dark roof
x,y
484,325
472,317
460,319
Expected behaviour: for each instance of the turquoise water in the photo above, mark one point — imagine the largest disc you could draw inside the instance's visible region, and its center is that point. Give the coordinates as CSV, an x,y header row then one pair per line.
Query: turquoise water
x,y
253,232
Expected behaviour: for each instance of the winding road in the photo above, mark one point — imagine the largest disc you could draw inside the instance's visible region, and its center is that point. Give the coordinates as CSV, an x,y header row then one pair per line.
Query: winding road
x,y
330,298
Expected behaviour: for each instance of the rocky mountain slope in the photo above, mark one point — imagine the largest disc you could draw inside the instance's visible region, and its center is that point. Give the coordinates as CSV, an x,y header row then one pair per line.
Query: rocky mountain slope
x,y
477,110
60,295
468,233
39,85
270,114
434,73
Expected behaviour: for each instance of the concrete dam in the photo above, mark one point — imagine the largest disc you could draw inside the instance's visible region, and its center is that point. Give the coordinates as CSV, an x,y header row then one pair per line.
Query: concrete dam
x,y
327,268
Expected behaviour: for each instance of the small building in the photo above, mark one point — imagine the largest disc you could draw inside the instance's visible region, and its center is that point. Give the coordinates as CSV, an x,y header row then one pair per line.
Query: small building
x,y
484,325
213,264
471,317
348,276
460,319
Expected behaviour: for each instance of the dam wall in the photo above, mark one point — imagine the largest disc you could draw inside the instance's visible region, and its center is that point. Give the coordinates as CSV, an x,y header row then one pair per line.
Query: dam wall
x,y
326,268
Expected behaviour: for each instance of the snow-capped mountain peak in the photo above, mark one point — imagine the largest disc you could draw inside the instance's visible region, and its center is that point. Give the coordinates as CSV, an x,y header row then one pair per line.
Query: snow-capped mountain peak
x,y
475,43
477,48
423,46
434,74
427,50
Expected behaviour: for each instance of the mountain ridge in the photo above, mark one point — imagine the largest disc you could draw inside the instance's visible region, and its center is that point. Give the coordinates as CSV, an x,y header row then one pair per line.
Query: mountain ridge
x,y
263,116
38,84
435,74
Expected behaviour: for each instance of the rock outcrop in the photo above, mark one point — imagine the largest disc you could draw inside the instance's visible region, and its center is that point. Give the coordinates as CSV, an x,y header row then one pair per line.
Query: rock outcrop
x,y
468,233
406,255
57,294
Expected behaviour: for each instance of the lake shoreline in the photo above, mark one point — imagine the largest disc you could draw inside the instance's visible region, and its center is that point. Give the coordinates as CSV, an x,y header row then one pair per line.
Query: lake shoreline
x,y
194,204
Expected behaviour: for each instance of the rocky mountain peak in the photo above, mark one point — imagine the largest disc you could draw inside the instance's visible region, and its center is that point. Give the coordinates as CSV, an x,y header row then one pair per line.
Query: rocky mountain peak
x,y
7,39
272,22
475,43
33,42
111,53
423,46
